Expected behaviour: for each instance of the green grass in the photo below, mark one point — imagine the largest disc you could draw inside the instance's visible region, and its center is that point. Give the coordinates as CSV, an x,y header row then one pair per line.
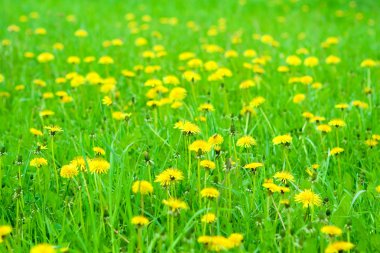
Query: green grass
x,y
93,212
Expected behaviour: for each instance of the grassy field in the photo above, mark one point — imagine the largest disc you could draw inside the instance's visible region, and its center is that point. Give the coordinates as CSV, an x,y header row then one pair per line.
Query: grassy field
x,y
189,126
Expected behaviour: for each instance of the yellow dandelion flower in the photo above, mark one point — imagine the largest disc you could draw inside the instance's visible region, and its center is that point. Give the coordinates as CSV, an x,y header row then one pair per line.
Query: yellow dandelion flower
x,y
80,163
339,246
45,57
43,248
298,98
206,107
332,59
257,101
210,193
35,131
53,130
142,187
324,128
317,119
308,198
107,101
200,146
189,128
282,139
331,230
371,143
253,166
341,106
293,60
69,171
246,142
216,139
175,204
208,218
236,239
336,151
247,84
207,164
191,76
284,176
38,162
81,33
4,231
99,166
99,151
140,221
169,176
368,63
311,61
337,123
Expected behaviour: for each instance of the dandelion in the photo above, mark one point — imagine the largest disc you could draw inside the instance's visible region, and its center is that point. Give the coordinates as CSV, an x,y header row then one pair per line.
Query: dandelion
x,y
246,142
178,94
324,128
293,60
35,132
189,128
257,101
107,101
175,204
216,243
5,230
210,193
191,76
337,123
336,151
206,107
282,139
99,166
105,60
311,61
81,33
120,115
247,84
43,248
253,166
341,106
284,176
331,230
371,143
142,187
169,176
200,146
236,239
99,151
45,57
38,162
332,59
299,98
139,221
368,63
69,171
317,119
80,163
308,198
46,113
53,130
339,246
208,218
207,164
216,139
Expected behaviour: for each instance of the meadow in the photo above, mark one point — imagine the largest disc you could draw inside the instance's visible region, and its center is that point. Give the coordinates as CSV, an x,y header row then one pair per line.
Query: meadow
x,y
189,126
